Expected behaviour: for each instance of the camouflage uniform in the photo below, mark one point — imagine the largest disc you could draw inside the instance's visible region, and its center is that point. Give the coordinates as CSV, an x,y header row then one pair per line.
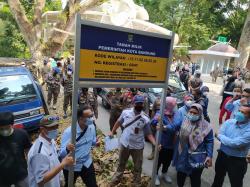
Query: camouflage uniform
x,y
45,72
88,98
53,82
116,107
67,83
33,71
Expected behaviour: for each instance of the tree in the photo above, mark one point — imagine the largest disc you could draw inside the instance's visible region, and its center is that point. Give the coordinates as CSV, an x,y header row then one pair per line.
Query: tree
x,y
12,43
29,19
244,43
198,21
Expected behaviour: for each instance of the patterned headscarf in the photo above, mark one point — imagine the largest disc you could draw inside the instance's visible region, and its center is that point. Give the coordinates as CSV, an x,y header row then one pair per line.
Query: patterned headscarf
x,y
194,133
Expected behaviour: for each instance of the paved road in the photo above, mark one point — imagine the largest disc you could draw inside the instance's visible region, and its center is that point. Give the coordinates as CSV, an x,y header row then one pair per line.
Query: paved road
x,y
208,174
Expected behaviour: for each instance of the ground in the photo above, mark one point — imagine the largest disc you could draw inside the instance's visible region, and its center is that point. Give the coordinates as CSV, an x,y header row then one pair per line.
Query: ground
x,y
103,125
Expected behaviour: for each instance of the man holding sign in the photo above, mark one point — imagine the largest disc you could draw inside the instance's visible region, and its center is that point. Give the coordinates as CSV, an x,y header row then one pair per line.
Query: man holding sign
x,y
136,125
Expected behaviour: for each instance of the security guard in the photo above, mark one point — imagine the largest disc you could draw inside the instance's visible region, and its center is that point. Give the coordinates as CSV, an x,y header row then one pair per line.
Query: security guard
x,y
115,99
67,83
136,126
88,98
44,168
53,82
45,72
33,70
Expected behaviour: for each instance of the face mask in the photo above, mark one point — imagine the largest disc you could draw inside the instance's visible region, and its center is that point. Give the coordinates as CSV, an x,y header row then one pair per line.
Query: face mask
x,y
6,132
52,134
189,103
89,121
240,117
205,93
138,108
192,117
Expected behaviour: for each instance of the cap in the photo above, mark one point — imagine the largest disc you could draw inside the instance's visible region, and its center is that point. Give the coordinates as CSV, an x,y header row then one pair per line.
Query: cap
x,y
6,118
49,121
138,99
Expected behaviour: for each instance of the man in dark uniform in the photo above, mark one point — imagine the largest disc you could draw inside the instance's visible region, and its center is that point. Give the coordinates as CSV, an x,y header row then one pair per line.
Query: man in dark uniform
x,y
67,83
115,99
53,82
88,98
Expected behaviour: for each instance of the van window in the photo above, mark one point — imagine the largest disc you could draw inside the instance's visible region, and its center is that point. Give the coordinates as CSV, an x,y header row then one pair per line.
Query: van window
x,y
15,88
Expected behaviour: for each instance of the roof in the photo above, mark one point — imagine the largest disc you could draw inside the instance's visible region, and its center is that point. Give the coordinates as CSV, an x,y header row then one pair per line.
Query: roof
x,y
13,70
219,49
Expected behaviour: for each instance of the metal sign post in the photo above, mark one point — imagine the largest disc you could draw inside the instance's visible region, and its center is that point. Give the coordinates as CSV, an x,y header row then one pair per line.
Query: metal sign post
x,y
116,57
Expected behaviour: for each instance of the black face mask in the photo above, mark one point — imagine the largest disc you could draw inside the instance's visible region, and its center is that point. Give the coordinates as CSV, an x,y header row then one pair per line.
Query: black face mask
x,y
118,90
138,108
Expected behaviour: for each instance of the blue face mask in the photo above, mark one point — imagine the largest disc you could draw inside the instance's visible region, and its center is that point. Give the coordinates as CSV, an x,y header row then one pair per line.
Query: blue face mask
x,y
52,134
240,117
89,121
192,117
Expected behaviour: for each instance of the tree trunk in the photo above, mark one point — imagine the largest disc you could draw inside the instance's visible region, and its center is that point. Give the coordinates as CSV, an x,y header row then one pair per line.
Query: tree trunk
x,y
244,43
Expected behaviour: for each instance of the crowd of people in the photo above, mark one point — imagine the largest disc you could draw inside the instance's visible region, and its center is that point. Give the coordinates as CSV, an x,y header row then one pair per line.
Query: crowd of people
x,y
187,139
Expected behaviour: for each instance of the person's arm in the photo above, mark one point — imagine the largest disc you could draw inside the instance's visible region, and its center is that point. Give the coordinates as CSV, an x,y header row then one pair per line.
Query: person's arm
x,y
64,142
94,136
148,133
40,167
176,124
116,126
237,142
209,142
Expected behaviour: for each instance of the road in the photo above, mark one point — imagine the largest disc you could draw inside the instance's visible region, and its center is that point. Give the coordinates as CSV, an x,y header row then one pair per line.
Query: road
x,y
208,174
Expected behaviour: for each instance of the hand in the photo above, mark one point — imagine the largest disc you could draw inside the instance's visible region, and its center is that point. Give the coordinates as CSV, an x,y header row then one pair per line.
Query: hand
x,y
159,147
209,162
68,161
216,134
111,134
248,158
98,143
70,147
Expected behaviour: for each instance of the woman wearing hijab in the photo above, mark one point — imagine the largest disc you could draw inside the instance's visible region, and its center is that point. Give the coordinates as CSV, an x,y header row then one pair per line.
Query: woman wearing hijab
x,y
188,101
194,149
171,123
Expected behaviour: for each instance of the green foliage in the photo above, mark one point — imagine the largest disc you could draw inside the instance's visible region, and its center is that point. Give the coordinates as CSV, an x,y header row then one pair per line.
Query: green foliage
x,y
198,21
12,43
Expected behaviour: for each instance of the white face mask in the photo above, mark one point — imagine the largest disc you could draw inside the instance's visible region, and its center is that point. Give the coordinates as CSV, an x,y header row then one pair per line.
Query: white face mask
x,y
205,93
189,103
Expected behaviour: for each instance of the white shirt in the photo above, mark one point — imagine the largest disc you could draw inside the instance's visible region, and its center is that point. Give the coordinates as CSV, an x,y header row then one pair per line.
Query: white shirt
x,y
42,158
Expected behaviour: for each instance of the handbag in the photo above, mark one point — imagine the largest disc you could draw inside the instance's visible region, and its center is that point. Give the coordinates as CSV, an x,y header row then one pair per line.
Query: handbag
x,y
197,159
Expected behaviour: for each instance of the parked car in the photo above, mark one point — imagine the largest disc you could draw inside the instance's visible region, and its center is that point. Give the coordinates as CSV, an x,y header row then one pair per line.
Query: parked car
x,y
22,95
175,89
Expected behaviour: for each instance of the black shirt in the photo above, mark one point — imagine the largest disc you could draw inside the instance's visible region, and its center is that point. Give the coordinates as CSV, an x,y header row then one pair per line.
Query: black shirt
x,y
12,151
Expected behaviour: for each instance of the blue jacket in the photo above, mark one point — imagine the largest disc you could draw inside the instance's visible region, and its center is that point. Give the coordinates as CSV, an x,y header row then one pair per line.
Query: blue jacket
x,y
183,111
169,130
180,161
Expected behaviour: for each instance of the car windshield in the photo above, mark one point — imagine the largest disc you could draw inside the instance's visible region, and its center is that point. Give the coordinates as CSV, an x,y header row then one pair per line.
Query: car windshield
x,y
155,90
175,84
16,87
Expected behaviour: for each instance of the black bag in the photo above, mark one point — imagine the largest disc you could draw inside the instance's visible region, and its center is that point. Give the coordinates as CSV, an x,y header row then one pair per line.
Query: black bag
x,y
9,163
